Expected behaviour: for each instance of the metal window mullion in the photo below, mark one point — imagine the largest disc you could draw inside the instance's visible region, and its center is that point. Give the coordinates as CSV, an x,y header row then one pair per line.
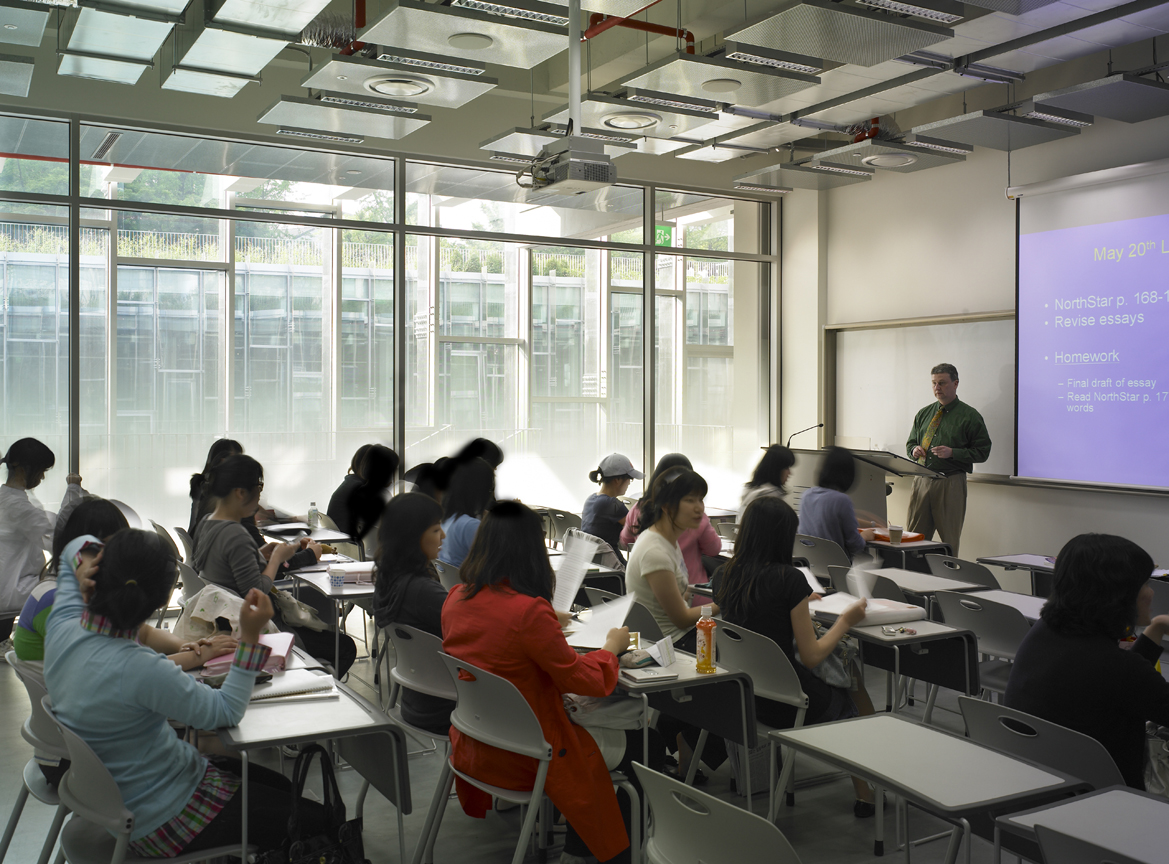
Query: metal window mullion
x,y
74,296
111,352
648,328
401,308
227,327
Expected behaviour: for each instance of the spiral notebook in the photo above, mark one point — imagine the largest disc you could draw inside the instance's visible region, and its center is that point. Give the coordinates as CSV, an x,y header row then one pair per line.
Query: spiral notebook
x,y
295,682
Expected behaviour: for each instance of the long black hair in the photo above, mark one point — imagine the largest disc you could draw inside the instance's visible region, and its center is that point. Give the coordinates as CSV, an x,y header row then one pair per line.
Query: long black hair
x,y
30,454
95,516
399,556
509,547
670,460
767,534
667,492
135,577
770,469
221,449
471,490
367,500
480,448
1097,580
837,470
431,478
234,472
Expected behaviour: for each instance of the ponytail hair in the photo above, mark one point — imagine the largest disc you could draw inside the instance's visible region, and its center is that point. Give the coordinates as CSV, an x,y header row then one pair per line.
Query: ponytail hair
x,y
596,476
136,576
234,472
221,448
30,454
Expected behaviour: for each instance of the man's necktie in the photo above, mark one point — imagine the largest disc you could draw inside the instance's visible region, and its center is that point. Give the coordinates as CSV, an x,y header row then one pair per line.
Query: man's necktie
x,y
930,432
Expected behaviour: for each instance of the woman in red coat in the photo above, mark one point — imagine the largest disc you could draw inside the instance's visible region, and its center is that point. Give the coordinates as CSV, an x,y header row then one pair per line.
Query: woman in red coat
x,y
502,621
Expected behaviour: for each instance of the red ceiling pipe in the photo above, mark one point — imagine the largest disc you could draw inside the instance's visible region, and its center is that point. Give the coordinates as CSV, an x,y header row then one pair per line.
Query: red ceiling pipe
x,y
358,23
598,23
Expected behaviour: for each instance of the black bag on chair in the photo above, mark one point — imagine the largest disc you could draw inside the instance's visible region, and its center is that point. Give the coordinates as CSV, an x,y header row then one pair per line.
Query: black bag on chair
x,y
340,842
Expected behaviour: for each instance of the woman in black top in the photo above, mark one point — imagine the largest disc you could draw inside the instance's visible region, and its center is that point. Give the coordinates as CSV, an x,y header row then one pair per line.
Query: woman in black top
x,y
338,509
1071,669
408,591
761,591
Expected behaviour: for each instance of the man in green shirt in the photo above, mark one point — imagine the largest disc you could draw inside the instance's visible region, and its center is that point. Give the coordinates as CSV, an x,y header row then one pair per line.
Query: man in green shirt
x,y
948,436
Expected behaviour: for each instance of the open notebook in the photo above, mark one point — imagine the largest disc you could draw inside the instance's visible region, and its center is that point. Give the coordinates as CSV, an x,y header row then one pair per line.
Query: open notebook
x,y
295,682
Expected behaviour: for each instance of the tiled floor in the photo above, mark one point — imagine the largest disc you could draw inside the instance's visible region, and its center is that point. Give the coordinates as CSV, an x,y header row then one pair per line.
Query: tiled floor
x,y
820,827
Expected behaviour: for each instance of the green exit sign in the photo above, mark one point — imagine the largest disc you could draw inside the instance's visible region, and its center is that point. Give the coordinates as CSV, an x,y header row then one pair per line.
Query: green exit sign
x,y
663,235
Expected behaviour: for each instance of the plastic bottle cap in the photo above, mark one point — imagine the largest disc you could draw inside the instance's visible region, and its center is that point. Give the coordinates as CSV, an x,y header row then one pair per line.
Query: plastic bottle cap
x,y
707,611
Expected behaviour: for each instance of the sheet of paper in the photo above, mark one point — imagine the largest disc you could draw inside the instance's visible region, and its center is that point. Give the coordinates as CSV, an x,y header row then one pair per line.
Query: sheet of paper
x,y
813,582
578,555
877,611
292,682
860,583
591,633
285,527
662,652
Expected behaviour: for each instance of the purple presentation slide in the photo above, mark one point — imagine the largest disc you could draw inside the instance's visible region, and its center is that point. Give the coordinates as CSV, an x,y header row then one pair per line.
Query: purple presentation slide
x,y
1094,353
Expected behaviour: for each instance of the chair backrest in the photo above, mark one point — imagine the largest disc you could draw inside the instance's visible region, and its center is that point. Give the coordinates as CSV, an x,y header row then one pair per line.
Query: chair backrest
x,y
192,582
772,674
490,709
691,827
87,788
597,596
999,628
641,620
170,541
1037,740
326,521
949,567
820,554
627,500
727,530
1059,848
561,521
605,555
39,730
418,666
129,512
886,589
188,543
838,577
1160,604
448,574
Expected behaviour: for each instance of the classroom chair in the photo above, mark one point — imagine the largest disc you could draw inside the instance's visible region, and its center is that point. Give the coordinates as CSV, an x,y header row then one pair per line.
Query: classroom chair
x,y
167,539
949,567
820,554
1059,848
1160,604
560,521
349,547
40,731
641,620
448,574
89,792
417,668
772,677
1036,740
188,544
999,628
192,582
727,530
691,827
597,596
605,555
490,709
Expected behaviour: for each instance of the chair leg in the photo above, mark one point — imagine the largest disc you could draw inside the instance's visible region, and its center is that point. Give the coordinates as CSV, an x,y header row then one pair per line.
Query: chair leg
x,y
692,771
634,821
931,699
425,847
361,797
526,831
17,809
54,833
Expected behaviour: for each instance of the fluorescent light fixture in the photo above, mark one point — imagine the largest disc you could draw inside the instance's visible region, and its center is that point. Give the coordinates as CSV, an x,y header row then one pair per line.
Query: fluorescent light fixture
x,y
841,169
769,57
370,104
1062,116
512,12
597,135
513,158
322,136
424,63
989,73
938,144
768,190
667,100
935,11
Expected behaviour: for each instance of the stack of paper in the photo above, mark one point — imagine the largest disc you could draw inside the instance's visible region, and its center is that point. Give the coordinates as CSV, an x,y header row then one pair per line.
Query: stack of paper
x,y
877,611
295,682
594,630
578,555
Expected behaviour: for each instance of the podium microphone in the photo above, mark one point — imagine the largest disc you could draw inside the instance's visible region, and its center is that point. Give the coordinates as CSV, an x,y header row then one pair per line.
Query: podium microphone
x,y
801,432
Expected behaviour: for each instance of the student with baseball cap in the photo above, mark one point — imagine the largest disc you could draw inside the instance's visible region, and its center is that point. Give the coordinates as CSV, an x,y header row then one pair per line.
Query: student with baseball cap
x,y
604,515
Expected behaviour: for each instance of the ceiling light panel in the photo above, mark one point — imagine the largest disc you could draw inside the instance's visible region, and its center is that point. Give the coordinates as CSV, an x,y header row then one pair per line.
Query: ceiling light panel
x,y
283,16
206,82
120,36
228,51
612,8
717,78
661,146
101,68
769,135
515,9
23,23
416,83
716,152
312,114
463,33
755,55
789,174
1038,110
995,130
15,75
939,145
525,142
944,12
636,118
890,156
846,34
1118,97
747,186
1011,7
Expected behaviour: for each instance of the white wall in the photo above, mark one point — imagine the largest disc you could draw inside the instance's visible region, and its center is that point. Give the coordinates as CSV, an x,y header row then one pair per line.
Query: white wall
x,y
941,242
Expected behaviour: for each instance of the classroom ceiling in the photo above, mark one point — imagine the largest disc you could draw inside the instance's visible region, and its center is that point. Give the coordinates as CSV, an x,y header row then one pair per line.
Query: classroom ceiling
x,y
762,75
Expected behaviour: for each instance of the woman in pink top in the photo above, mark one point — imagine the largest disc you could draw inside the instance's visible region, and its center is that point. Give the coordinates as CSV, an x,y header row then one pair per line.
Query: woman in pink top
x,y
694,542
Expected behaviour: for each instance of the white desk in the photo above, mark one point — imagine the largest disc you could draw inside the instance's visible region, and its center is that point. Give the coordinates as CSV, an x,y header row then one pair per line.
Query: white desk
x,y
943,774
889,550
1041,568
1126,821
1025,603
348,593
924,584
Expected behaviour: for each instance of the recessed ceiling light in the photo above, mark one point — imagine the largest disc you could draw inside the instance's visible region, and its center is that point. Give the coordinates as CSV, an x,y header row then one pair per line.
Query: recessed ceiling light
x,y
342,77
631,120
399,85
674,127
889,160
722,85
470,41
512,12
352,172
9,26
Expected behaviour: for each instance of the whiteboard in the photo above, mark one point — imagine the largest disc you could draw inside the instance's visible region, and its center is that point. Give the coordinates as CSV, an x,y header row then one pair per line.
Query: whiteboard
x,y
883,380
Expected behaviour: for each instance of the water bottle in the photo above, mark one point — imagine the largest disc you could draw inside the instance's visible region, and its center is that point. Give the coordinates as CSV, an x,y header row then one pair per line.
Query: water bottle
x,y
314,515
705,651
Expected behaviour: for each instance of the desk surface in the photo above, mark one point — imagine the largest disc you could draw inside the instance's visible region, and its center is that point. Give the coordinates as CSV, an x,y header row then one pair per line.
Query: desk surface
x,y
923,583
688,675
915,545
321,535
926,631
1025,603
1126,821
1023,561
934,769
320,580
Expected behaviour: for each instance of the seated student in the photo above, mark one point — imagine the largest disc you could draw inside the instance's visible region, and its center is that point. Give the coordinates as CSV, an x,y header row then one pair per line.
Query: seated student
x,y
431,478
694,542
501,620
656,574
471,491
26,530
338,509
769,479
225,554
762,591
364,506
826,511
408,591
118,696
1071,669
603,515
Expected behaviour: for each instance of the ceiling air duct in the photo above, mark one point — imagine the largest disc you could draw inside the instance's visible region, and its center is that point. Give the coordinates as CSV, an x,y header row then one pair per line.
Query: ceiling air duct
x,y
422,78
738,83
996,130
1123,97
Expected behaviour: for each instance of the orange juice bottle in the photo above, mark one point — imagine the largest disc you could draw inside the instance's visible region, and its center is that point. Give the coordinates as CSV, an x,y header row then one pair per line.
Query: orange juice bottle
x,y
705,652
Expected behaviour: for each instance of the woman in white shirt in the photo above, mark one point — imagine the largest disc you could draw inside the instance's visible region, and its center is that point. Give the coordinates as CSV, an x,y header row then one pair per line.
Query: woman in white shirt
x,y
26,530
656,574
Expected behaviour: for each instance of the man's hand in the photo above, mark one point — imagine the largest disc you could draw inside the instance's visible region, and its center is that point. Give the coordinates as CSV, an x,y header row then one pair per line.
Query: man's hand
x,y
918,452
85,573
254,615
942,451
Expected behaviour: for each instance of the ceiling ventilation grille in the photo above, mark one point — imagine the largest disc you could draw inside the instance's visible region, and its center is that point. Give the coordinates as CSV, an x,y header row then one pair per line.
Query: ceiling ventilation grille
x,y
106,144
321,136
